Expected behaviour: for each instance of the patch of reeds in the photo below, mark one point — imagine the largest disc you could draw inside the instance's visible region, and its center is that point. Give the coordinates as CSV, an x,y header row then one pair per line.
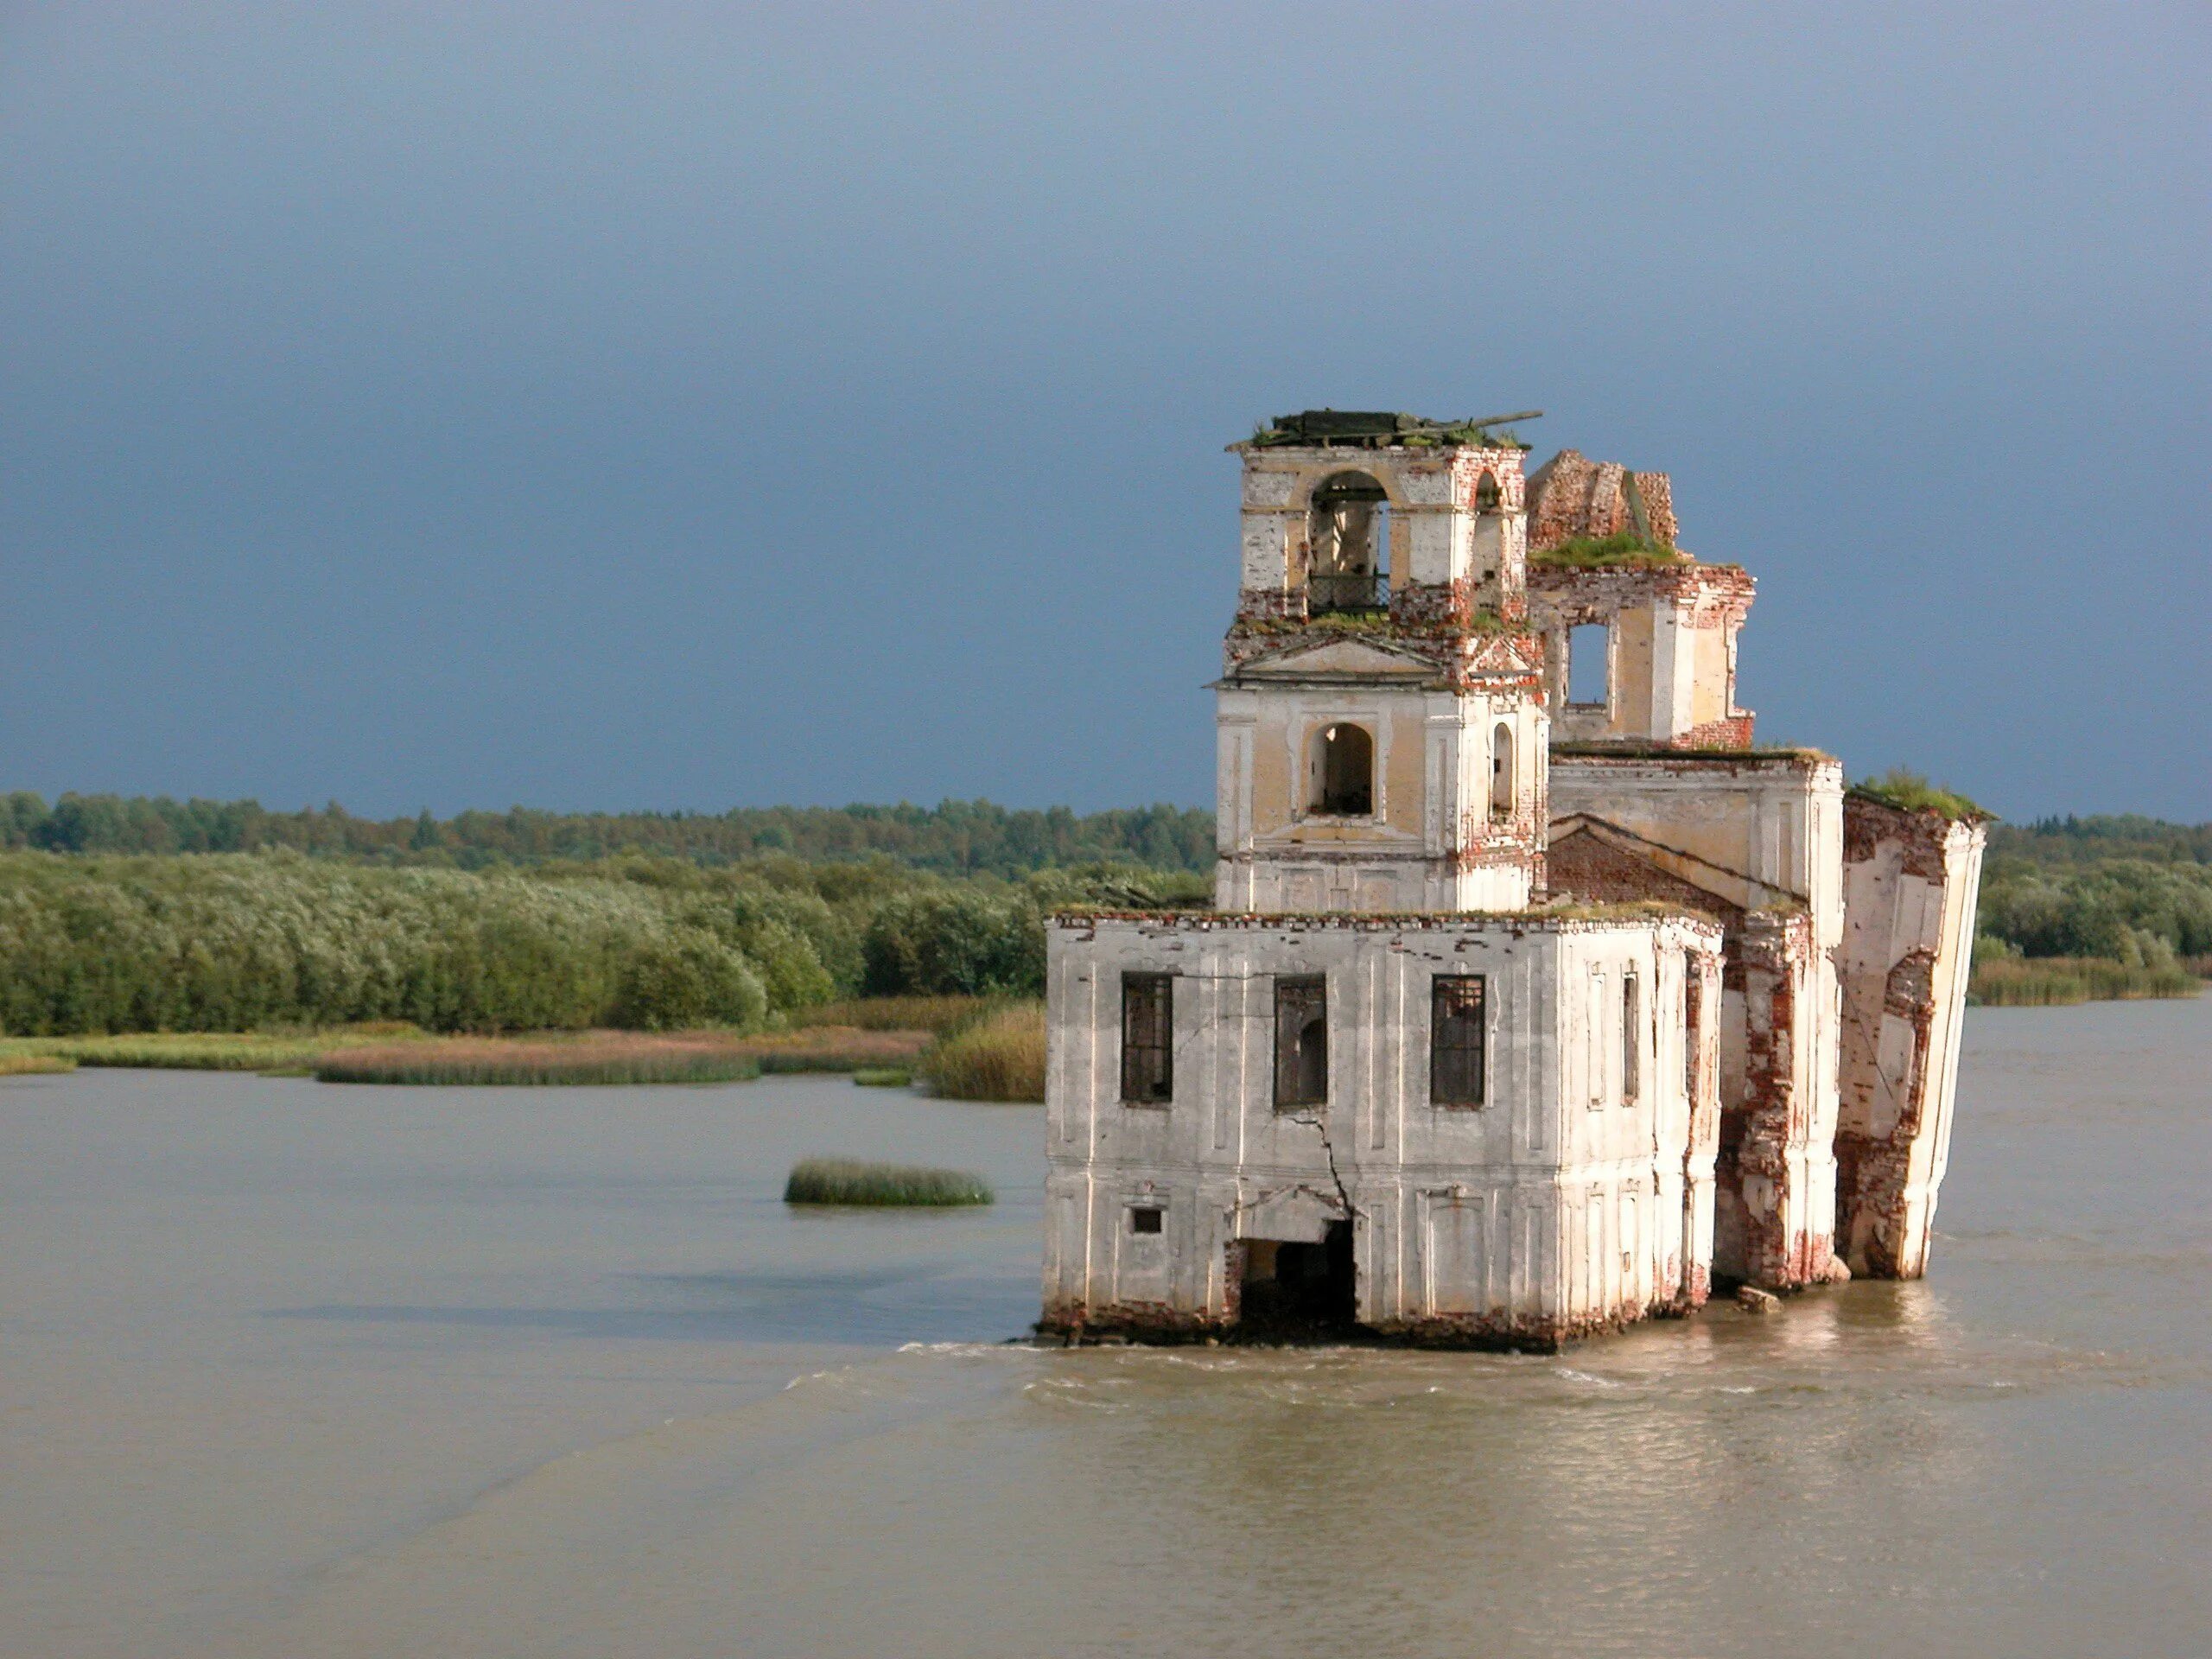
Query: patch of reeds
x,y
836,1048
19,1064
201,1050
609,1060
938,1015
846,1181
999,1057
884,1077
2058,981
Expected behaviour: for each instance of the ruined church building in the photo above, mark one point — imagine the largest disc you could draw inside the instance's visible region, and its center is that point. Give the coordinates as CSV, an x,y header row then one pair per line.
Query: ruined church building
x,y
1536,999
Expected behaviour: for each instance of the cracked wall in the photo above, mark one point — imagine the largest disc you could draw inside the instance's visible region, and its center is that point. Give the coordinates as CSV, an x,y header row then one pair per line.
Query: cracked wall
x,y
1910,880
1577,1198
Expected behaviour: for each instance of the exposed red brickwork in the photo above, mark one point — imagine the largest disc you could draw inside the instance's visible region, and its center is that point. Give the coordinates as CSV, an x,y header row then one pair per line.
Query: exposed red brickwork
x,y
1571,495
1875,1166
1590,868
1773,952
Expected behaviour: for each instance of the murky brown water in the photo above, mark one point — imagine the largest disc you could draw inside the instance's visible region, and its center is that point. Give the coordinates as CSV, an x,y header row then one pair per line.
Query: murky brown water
x,y
288,1370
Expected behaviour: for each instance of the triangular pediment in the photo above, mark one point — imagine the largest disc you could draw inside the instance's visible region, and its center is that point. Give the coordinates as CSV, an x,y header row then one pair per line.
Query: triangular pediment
x,y
1595,858
1337,659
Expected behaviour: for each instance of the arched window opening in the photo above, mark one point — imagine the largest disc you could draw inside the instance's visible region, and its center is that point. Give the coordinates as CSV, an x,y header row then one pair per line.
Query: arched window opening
x,y
1341,768
1348,546
1501,772
1486,493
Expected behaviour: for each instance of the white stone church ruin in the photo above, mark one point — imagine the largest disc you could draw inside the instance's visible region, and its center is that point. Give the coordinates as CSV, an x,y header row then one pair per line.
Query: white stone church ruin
x,y
1535,999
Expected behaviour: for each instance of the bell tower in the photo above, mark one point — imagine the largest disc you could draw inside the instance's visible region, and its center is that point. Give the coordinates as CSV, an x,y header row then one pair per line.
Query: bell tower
x,y
1383,740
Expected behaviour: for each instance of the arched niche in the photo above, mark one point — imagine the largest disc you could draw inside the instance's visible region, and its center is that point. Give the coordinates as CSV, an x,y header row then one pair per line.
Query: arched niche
x,y
1501,772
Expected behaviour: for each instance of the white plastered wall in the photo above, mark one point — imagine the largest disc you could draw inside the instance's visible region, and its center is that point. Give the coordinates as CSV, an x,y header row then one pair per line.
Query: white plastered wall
x,y
1543,1210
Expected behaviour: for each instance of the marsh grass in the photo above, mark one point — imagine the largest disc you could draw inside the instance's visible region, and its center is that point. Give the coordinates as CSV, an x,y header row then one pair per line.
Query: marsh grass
x,y
292,1051
590,1060
836,1048
938,1015
845,1180
19,1064
2059,981
1000,1057
884,1077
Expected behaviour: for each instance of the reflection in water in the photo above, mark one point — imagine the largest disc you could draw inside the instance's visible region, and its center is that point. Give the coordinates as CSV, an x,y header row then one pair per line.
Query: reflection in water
x,y
376,1372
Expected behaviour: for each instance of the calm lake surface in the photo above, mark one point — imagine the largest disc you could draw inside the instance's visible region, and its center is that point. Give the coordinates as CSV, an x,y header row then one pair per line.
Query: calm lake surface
x,y
289,1368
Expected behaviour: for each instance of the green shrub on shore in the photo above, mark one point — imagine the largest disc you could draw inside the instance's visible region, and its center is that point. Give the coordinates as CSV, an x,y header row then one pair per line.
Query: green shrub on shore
x,y
1001,1056
621,1061
845,1180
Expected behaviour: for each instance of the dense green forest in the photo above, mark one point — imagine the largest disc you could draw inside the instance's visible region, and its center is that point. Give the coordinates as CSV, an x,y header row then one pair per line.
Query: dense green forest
x,y
132,915
953,837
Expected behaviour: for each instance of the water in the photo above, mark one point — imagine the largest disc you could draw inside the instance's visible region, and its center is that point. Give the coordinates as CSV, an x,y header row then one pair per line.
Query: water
x,y
288,1369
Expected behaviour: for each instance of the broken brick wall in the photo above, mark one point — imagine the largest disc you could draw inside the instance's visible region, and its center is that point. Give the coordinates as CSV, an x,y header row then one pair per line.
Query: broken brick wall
x,y
1775,1171
1909,887
1572,496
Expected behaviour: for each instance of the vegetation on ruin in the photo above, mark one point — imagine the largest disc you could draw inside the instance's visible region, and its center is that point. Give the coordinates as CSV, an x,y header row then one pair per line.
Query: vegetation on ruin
x,y
1624,550
1909,791
848,1181
1000,1056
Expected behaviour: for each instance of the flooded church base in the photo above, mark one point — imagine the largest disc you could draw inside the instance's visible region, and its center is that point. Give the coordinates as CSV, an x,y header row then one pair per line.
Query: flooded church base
x,y
1535,1001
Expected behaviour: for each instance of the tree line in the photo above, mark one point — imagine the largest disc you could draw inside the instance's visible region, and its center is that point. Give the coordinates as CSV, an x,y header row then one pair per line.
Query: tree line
x,y
233,941
953,837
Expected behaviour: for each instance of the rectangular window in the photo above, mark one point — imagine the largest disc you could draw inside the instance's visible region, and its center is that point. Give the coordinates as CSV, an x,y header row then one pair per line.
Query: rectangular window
x,y
1631,1050
1146,1220
1597,1022
1301,1041
1456,1027
1148,1039
1589,652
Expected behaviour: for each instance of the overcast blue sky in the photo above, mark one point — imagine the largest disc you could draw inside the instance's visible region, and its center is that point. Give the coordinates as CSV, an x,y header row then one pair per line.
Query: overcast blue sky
x,y
679,406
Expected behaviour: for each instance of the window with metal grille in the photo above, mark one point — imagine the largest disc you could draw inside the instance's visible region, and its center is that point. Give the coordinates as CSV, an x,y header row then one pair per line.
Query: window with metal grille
x,y
1148,1039
1301,1041
1456,1025
1631,1050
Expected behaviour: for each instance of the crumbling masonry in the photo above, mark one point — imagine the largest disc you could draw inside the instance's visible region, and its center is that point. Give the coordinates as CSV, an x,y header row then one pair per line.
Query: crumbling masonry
x,y
1536,999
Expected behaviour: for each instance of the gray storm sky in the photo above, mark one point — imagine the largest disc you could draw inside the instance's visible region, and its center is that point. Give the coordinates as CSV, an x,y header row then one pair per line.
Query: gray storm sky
x,y
655,405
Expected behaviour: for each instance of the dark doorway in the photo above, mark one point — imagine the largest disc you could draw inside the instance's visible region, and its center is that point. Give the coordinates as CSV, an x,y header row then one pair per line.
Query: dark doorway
x,y
1298,1292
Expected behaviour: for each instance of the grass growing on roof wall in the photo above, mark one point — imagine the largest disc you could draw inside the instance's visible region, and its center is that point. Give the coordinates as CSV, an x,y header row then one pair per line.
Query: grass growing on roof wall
x,y
845,1180
1624,550
1001,1056
1909,791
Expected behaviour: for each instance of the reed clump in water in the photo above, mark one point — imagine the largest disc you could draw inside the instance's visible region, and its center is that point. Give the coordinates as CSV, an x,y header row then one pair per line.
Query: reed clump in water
x,y
1000,1056
884,1077
938,1015
837,1048
19,1064
621,1060
2058,981
293,1051
846,1181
